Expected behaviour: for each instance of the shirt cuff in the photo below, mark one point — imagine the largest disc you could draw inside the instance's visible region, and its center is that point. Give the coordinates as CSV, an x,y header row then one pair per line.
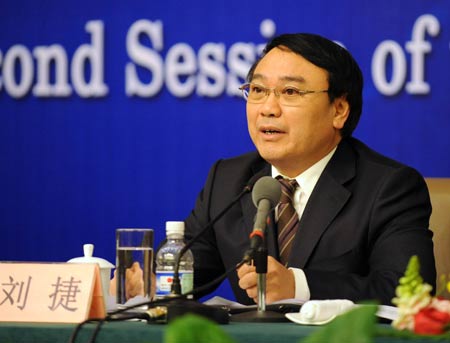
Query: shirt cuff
x,y
301,284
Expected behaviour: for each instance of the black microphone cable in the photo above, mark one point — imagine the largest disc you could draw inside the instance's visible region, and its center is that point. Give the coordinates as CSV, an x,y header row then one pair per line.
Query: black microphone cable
x,y
176,283
77,329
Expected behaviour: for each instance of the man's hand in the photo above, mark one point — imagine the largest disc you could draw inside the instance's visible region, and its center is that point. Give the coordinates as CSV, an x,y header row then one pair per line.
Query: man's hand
x,y
134,282
280,282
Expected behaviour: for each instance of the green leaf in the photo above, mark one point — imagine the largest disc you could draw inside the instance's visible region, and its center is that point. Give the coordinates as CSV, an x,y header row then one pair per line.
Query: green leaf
x,y
195,329
354,326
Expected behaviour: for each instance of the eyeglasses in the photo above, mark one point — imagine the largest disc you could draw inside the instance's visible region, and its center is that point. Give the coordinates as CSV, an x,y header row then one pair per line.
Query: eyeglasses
x,y
287,96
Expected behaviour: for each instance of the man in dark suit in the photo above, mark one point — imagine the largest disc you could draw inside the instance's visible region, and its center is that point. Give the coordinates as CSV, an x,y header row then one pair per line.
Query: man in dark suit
x,y
360,215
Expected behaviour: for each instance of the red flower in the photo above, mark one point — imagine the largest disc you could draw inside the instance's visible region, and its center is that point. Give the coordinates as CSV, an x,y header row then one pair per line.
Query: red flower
x,y
431,321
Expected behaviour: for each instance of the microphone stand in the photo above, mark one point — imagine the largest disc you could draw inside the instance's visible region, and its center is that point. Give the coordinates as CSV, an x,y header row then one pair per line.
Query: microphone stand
x,y
261,314
261,271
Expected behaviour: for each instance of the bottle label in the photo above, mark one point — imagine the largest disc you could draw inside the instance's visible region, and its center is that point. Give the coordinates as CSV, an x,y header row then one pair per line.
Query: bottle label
x,y
164,282
187,281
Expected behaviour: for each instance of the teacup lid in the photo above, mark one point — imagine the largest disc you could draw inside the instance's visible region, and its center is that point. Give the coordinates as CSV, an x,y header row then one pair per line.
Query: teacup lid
x,y
88,250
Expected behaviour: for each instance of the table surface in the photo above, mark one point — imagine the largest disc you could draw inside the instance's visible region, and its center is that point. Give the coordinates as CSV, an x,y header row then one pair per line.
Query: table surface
x,y
133,331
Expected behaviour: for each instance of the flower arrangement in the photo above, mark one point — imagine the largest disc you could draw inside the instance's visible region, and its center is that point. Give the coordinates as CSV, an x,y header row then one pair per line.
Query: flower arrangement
x,y
418,310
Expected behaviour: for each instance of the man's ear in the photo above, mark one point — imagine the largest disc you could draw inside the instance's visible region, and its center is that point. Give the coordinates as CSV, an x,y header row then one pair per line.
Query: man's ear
x,y
342,111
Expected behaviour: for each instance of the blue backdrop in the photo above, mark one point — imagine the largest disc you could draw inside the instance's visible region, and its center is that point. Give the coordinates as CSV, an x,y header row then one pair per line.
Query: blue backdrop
x,y
112,112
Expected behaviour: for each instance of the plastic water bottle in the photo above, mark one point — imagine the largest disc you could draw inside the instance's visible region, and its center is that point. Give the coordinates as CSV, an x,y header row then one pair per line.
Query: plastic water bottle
x,y
166,258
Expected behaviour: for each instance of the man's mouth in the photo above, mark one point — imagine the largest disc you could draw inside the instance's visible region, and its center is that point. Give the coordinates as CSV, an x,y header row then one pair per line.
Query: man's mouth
x,y
270,132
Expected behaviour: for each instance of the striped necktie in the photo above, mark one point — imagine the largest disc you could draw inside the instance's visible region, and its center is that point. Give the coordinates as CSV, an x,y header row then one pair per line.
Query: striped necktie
x,y
287,218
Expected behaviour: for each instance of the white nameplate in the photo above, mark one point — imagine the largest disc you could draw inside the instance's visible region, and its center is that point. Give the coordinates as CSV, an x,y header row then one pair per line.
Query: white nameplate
x,y
50,292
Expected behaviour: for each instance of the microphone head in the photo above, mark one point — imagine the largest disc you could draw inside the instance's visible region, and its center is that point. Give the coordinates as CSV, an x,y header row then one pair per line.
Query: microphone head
x,y
266,188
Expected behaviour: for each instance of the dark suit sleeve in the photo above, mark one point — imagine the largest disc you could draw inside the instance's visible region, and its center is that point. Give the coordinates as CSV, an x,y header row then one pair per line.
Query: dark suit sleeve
x,y
208,263
397,228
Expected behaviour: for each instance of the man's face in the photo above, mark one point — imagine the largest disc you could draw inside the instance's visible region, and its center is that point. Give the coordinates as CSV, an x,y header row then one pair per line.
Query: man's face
x,y
293,138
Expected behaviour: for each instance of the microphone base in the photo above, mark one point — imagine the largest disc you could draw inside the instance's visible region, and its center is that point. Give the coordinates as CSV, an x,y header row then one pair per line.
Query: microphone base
x,y
259,317
180,307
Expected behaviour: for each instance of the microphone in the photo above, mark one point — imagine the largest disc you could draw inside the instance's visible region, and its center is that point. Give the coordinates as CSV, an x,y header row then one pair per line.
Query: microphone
x,y
176,284
265,195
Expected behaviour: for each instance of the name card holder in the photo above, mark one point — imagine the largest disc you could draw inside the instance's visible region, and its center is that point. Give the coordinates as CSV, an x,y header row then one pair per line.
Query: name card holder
x,y
50,292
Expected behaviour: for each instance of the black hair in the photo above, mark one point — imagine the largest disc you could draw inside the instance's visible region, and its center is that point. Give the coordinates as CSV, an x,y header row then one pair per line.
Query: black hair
x,y
344,75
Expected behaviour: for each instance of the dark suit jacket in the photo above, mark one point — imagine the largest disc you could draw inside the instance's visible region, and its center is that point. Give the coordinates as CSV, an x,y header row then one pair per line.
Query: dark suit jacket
x,y
365,218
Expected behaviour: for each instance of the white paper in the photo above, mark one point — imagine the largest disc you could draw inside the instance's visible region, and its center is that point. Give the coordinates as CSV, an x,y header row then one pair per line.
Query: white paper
x,y
319,312
324,311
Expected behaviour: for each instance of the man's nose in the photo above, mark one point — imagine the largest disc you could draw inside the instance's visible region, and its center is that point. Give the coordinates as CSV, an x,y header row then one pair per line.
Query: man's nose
x,y
271,105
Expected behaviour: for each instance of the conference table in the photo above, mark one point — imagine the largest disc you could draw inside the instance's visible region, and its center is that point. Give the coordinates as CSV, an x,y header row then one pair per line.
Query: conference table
x,y
138,331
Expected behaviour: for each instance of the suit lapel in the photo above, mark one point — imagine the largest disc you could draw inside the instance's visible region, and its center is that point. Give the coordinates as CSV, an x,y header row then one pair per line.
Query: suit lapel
x,y
326,201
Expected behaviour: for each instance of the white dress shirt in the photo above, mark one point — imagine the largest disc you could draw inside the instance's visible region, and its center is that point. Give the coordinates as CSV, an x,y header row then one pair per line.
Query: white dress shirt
x,y
306,181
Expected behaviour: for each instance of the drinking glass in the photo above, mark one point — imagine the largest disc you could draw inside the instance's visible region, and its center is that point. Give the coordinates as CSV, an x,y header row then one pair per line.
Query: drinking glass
x,y
134,263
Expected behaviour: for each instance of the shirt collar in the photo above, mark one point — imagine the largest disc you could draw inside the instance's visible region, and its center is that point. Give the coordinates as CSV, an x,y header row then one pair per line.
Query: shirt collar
x,y
308,179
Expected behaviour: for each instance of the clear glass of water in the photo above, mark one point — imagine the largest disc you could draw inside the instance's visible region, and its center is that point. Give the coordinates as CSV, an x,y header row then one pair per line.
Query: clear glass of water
x,y
134,263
